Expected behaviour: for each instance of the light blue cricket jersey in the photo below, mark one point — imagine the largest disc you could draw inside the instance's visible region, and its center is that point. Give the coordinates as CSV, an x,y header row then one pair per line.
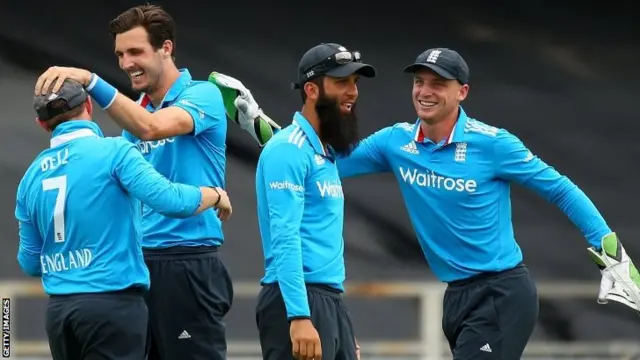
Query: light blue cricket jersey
x,y
197,158
300,214
457,192
78,207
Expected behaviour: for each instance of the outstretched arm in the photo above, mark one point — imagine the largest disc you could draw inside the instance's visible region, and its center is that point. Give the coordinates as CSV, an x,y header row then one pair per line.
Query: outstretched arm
x,y
514,162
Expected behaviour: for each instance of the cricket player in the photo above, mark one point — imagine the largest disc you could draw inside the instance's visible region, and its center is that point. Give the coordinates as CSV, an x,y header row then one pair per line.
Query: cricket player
x,y
179,125
300,211
78,208
454,173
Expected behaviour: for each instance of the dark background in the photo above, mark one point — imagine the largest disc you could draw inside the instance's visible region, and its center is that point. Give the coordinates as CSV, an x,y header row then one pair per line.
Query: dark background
x,y
561,76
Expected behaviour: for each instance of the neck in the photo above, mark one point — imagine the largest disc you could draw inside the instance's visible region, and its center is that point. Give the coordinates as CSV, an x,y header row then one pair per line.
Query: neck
x,y
171,74
439,130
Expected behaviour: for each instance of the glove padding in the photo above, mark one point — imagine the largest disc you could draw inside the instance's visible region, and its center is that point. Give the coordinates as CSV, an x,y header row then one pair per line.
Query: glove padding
x,y
242,108
620,278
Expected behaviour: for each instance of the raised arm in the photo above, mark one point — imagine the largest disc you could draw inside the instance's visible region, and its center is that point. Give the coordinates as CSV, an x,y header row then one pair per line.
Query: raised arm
x,y
369,157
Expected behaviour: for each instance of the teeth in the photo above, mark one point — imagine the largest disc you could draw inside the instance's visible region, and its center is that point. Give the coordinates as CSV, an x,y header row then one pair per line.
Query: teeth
x,y
348,106
426,103
136,73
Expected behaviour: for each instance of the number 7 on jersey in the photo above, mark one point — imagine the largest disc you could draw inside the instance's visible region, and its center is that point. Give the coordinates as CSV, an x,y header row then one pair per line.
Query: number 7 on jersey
x,y
57,183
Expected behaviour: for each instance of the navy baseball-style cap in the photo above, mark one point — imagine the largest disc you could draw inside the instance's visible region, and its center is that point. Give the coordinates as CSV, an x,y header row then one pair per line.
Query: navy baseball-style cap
x,y
70,95
332,60
445,62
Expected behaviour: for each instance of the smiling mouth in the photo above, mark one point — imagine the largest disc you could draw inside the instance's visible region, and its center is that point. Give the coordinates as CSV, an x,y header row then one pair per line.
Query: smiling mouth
x,y
427,104
347,106
136,74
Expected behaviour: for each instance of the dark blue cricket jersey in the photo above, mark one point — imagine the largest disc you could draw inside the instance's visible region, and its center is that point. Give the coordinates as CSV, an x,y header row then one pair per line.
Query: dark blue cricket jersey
x,y
300,214
78,207
457,192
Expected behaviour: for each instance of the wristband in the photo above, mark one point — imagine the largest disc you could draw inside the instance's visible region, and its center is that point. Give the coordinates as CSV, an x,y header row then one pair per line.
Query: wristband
x,y
219,196
102,92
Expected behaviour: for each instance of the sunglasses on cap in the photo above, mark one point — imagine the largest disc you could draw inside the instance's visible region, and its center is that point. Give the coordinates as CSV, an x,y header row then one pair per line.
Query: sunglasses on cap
x,y
321,68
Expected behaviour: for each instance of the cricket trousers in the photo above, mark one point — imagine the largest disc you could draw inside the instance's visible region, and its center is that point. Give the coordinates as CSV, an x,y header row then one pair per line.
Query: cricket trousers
x,y
191,293
329,316
491,315
100,326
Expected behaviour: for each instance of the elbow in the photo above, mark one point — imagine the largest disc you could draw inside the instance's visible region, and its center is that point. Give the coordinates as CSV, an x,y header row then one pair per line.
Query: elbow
x,y
29,267
149,133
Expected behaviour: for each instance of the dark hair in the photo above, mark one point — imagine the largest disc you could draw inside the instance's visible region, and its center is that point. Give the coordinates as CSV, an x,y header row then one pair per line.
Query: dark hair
x,y
318,81
157,22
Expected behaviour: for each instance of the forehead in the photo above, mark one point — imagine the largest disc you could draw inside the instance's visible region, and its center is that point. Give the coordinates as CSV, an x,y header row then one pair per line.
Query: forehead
x,y
136,37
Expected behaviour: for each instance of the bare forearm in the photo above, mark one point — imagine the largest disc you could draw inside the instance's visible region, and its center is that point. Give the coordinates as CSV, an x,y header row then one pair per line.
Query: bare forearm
x,y
132,117
210,198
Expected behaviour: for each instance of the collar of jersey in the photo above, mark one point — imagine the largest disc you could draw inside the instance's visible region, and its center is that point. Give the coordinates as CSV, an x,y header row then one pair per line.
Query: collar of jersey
x,y
183,80
303,123
457,133
74,129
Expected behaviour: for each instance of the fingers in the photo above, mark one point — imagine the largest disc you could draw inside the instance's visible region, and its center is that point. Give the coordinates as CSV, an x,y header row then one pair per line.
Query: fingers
x,y
50,81
317,354
57,84
296,349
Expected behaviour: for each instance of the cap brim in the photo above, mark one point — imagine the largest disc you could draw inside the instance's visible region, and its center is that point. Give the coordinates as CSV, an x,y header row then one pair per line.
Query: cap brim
x,y
345,70
438,70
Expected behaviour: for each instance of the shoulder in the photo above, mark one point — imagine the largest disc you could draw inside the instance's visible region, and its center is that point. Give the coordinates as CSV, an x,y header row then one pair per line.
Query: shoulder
x,y
290,143
202,90
482,133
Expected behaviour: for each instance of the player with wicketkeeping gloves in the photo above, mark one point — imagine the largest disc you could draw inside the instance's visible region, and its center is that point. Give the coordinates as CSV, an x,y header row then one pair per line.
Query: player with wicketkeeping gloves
x,y
620,278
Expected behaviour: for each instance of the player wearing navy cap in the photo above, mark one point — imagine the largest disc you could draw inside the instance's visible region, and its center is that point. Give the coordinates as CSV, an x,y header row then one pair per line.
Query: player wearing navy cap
x,y
79,212
301,213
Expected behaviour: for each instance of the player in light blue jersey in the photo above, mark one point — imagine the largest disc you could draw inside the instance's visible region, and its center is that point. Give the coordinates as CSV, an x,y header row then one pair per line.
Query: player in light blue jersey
x,y
301,214
179,124
78,208
454,173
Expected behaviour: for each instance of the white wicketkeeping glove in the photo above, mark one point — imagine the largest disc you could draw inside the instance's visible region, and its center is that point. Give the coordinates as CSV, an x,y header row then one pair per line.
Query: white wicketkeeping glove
x,y
620,278
243,109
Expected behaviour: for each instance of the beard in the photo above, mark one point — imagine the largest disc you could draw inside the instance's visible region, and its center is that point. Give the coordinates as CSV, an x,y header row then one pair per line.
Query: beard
x,y
337,129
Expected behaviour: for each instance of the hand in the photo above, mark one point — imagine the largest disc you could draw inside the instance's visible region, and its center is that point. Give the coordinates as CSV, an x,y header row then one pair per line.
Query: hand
x,y
224,205
305,340
357,349
620,279
56,76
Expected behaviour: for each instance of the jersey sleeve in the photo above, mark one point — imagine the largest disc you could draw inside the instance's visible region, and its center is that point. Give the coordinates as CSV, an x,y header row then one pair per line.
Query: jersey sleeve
x,y
128,136
205,105
143,182
284,170
515,162
368,157
31,242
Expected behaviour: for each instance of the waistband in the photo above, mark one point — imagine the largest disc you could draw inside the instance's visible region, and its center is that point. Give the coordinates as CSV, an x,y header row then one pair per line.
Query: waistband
x,y
486,276
180,252
322,289
132,292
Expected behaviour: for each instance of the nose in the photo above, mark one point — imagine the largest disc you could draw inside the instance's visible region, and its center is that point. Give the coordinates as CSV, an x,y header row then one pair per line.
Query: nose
x,y
126,63
352,90
424,91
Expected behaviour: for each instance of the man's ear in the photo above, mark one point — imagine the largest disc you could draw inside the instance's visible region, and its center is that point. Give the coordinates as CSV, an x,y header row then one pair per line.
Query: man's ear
x,y
89,105
312,90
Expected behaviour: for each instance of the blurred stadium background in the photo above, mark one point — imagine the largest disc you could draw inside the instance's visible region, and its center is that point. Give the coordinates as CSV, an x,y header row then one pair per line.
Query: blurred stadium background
x,y
561,75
